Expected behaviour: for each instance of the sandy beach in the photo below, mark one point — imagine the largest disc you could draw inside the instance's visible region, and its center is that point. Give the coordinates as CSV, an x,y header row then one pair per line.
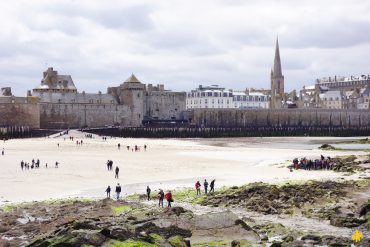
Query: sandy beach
x,y
167,164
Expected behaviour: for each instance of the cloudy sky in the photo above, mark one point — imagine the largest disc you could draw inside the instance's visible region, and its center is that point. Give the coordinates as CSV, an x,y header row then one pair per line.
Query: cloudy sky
x,y
181,43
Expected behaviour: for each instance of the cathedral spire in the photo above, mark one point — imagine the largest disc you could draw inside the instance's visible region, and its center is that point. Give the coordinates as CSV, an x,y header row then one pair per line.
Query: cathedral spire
x,y
277,63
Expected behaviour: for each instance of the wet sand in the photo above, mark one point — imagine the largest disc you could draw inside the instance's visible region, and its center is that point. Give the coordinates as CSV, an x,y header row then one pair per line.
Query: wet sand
x,y
167,164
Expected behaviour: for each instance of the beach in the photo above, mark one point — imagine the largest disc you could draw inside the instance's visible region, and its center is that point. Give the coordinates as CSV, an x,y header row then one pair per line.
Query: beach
x,y
167,164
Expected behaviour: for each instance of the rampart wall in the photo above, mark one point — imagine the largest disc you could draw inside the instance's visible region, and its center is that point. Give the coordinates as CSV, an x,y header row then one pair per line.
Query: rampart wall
x,y
19,112
279,117
72,115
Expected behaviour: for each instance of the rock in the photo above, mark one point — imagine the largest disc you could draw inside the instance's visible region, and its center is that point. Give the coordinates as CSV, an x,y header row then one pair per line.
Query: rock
x,y
91,225
276,244
243,224
4,243
177,210
333,241
131,217
4,228
346,221
167,232
364,209
92,237
315,239
288,239
117,232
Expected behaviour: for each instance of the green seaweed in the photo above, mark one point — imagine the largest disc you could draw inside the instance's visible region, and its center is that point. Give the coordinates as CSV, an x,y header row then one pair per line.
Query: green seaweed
x,y
117,210
177,241
130,243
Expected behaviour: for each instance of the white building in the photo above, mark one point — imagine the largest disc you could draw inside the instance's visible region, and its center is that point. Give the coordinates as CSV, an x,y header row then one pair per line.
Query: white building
x,y
216,97
333,100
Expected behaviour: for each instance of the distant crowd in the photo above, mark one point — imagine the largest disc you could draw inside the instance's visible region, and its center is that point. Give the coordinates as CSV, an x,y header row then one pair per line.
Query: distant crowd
x,y
310,164
35,164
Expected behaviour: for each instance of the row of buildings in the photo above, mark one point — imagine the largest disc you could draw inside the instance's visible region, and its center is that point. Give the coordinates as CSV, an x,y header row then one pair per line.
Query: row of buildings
x,y
57,103
337,93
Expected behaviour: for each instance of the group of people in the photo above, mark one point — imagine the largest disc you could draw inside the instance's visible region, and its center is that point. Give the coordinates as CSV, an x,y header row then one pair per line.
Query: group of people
x,y
110,168
205,184
118,191
35,164
79,143
161,196
168,195
135,148
27,166
309,164
89,136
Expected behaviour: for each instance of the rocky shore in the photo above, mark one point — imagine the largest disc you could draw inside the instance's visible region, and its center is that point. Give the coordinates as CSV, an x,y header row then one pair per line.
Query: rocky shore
x,y
324,213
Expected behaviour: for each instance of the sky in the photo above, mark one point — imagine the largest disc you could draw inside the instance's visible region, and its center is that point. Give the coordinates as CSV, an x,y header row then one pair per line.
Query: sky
x,y
182,43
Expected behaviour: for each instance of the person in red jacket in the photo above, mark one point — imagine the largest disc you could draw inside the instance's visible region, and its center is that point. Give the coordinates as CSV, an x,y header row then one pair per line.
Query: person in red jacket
x,y
197,187
169,198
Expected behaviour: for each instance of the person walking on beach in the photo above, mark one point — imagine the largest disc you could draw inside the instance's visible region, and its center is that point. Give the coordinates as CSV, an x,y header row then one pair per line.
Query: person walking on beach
x,y
148,190
22,164
118,190
145,147
212,186
56,164
3,151
205,185
117,172
169,198
160,197
119,146
197,187
108,191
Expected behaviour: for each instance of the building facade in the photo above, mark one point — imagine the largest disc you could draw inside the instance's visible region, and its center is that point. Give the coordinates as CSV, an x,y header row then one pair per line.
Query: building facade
x,y
344,83
217,97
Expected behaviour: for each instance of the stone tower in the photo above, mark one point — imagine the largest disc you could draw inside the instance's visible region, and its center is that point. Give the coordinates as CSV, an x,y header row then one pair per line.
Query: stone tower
x,y
132,95
277,80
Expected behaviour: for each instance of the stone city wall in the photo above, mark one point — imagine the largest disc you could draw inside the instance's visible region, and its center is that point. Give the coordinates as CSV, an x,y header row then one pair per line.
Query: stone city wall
x,y
71,115
165,105
19,111
279,117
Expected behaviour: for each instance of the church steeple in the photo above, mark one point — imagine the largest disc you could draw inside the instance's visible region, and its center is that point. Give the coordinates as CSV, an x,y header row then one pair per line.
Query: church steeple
x,y
277,80
277,63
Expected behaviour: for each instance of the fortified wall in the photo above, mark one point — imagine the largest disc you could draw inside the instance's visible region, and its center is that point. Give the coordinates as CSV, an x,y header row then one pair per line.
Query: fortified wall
x,y
279,117
19,111
62,106
72,115
164,104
